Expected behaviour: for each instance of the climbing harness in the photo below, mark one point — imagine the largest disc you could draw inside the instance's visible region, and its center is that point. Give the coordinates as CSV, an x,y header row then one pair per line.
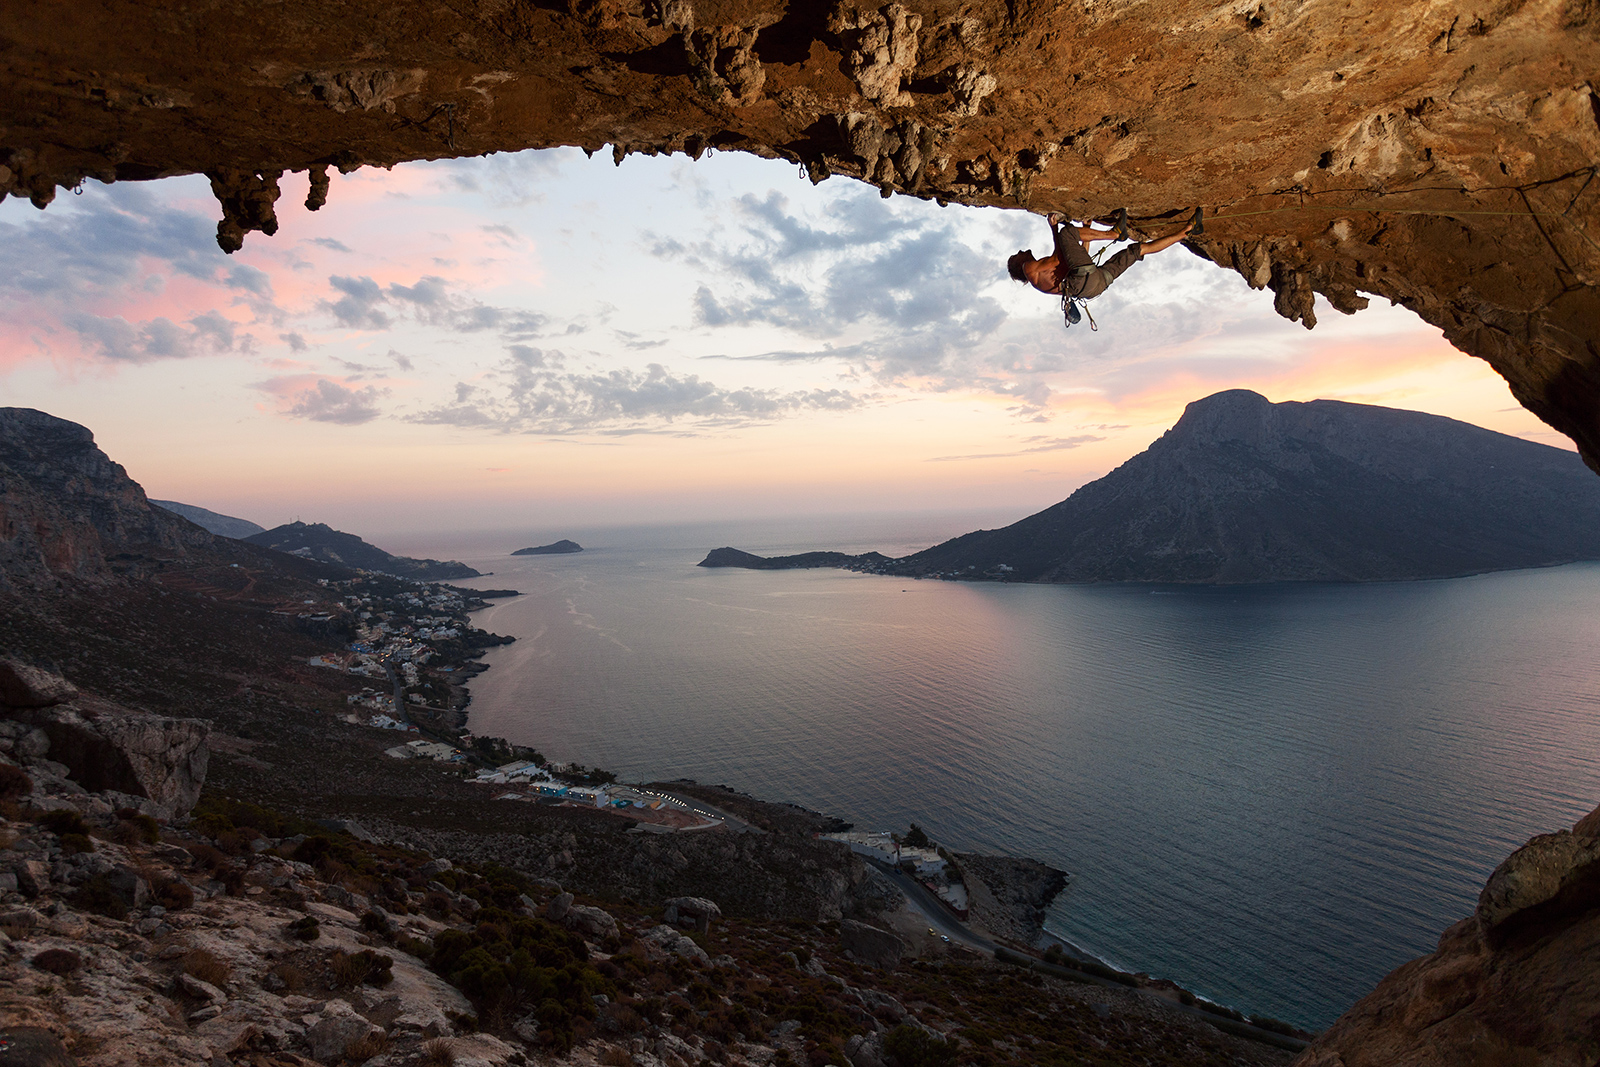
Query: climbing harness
x,y
1076,308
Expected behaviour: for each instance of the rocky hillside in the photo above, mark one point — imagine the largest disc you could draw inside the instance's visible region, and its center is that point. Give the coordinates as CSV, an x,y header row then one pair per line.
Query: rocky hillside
x,y
321,542
1436,153
67,510
1244,490
135,933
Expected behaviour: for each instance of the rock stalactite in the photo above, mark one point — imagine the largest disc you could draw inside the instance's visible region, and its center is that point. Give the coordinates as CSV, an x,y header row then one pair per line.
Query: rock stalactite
x,y
1441,155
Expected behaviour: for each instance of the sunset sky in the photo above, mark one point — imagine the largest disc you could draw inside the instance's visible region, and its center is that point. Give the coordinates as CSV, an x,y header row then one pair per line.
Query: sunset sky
x,y
534,339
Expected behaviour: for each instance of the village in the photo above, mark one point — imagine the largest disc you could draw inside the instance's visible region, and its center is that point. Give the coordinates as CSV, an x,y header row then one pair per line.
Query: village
x,y
917,856
413,638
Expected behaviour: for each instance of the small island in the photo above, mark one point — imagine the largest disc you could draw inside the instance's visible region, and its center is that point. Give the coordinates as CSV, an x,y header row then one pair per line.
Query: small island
x,y
559,548
733,557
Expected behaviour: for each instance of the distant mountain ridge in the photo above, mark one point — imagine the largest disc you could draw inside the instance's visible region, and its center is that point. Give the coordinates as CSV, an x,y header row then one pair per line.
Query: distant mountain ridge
x,y
1245,490
222,525
733,557
321,542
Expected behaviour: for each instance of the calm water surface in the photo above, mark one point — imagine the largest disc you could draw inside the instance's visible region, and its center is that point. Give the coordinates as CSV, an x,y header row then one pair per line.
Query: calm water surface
x,y
1272,795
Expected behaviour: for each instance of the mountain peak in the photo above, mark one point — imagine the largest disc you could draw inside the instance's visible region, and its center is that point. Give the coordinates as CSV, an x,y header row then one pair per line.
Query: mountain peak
x,y
1245,490
1233,414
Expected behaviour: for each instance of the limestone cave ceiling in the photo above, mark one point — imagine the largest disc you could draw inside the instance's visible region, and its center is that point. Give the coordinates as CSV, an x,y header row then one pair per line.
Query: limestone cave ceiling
x,y
1438,153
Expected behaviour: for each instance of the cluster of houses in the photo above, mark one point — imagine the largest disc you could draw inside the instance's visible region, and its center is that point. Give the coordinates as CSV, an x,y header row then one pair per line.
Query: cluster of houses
x,y
527,781
423,749
925,864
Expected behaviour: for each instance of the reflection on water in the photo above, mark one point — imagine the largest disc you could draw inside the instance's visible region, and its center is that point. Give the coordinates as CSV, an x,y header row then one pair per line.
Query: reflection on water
x,y
1272,795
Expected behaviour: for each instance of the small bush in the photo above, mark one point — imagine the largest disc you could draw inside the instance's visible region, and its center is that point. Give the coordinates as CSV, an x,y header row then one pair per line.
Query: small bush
x,y
364,1048
98,895
375,922
908,1046
438,1053
415,946
14,782
1053,954
305,928
292,976
612,1056
63,822
351,969
58,961
134,827
173,894
75,843
204,965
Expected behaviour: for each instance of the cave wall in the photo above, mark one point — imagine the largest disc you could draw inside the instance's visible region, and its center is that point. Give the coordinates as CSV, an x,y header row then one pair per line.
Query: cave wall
x,y
1438,153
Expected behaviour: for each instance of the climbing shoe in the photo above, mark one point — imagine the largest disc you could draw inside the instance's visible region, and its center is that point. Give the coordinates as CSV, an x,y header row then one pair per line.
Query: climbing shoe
x,y
1199,222
1123,233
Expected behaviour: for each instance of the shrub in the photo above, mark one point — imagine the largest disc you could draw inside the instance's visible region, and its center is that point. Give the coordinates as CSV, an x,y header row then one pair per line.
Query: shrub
x,y
173,894
351,969
204,965
135,826
305,928
916,837
14,782
63,822
58,961
438,1053
291,975
362,1049
1053,954
101,897
73,843
908,1046
506,963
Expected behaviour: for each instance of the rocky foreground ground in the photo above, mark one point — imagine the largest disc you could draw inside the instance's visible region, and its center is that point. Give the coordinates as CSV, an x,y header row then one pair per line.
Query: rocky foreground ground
x,y
134,932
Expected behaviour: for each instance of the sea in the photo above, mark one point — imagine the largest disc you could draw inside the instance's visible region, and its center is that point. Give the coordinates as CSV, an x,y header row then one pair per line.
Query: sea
x,y
1272,795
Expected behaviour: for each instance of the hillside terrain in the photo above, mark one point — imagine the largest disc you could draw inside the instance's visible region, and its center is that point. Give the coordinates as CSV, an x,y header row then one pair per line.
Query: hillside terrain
x,y
323,902
211,521
1244,490
205,860
319,541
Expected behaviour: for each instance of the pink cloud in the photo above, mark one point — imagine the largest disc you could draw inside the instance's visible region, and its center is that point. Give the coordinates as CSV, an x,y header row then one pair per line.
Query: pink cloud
x,y
321,398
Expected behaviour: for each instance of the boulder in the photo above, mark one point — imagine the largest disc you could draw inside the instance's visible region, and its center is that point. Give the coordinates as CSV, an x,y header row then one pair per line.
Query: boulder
x,y
591,922
865,1050
882,1004
870,945
128,884
110,748
22,686
558,907
33,876
339,1028
666,939
695,912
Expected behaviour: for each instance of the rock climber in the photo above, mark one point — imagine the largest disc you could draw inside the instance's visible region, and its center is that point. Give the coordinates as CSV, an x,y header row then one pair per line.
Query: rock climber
x,y
1069,272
